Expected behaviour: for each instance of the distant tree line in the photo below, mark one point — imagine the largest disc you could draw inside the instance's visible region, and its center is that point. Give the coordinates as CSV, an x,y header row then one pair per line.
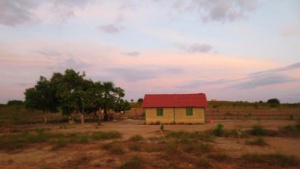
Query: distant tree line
x,y
71,92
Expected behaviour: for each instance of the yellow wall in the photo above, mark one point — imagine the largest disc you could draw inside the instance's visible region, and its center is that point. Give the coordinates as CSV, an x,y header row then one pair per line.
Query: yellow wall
x,y
151,116
181,117
177,115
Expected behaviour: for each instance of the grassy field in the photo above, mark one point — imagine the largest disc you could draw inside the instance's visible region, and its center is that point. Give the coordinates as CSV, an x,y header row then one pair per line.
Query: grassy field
x,y
127,143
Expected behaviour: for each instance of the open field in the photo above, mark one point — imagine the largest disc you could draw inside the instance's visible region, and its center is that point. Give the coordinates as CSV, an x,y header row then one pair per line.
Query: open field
x,y
143,146
232,141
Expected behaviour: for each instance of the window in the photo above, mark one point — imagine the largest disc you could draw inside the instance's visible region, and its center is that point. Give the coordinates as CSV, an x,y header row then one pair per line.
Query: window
x,y
160,112
189,111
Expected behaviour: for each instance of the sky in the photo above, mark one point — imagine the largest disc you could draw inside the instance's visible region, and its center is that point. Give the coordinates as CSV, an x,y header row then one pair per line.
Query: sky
x,y
235,50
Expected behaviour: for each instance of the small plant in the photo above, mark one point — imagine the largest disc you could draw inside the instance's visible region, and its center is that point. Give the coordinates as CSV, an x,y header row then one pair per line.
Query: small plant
x,y
100,135
135,147
60,143
219,130
84,138
114,147
219,156
117,149
258,142
293,128
258,130
203,163
133,162
271,160
136,138
162,127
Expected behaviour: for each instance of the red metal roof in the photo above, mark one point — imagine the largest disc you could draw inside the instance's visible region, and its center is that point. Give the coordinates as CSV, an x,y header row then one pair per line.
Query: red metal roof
x,y
175,100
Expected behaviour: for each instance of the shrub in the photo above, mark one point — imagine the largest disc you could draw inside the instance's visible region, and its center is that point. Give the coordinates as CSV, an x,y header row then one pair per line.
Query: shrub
x,y
135,146
259,142
133,162
60,143
114,147
258,130
84,138
106,135
136,138
203,163
162,127
219,130
293,128
219,156
271,159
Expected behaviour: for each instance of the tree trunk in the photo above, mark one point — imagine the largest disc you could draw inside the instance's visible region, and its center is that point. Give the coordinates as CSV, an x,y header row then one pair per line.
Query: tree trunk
x,y
98,117
106,118
45,119
82,119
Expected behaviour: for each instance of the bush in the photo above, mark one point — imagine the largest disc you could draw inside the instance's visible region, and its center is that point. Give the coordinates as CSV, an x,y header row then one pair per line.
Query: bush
x,y
219,130
293,128
271,160
106,135
258,130
133,162
203,163
136,138
258,142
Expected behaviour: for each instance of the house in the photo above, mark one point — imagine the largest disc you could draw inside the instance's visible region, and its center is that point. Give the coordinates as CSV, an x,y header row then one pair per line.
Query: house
x,y
174,108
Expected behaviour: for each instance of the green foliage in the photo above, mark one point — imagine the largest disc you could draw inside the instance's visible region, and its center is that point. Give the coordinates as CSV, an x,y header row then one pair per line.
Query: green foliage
x,y
293,128
136,138
101,135
140,100
258,130
133,163
271,160
15,103
162,127
219,131
114,147
219,156
203,163
274,102
72,93
258,142
203,136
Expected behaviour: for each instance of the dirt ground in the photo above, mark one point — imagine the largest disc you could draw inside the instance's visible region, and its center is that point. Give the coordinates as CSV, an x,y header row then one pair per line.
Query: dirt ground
x,y
91,155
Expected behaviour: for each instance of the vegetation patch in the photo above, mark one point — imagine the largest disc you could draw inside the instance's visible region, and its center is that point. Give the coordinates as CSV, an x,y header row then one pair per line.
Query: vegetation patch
x,y
219,156
132,163
257,142
258,130
136,138
271,160
101,135
202,162
114,147
202,136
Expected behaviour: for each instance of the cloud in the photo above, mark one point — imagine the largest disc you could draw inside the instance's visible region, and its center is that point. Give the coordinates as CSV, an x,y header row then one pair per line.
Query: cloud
x,y
195,48
111,28
199,83
132,54
19,12
263,81
280,69
16,12
217,10
135,75
265,78
49,53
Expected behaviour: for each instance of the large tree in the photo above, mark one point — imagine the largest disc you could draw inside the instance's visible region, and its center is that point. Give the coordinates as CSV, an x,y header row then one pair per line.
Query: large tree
x,y
42,97
72,93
